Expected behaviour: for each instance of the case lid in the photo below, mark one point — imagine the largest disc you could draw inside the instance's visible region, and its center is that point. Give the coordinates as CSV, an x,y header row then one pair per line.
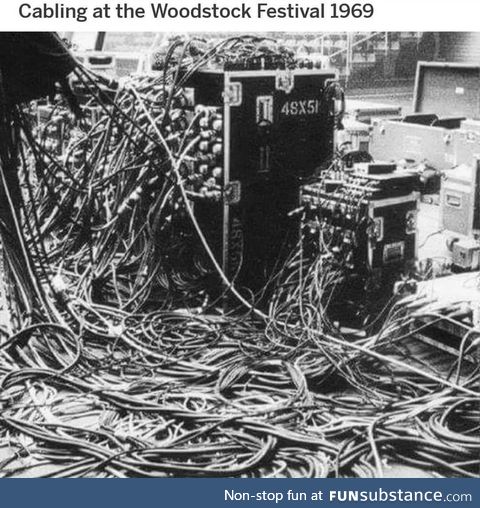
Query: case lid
x,y
447,89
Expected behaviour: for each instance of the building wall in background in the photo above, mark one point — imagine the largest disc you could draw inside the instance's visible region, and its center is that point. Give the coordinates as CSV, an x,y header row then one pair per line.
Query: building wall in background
x,y
460,47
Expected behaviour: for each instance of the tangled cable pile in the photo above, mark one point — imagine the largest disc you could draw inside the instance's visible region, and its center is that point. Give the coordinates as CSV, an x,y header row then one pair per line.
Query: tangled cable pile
x,y
203,395
94,382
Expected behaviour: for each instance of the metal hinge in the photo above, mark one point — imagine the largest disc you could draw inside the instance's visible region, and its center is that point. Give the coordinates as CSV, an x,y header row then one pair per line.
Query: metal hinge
x,y
411,222
233,192
232,96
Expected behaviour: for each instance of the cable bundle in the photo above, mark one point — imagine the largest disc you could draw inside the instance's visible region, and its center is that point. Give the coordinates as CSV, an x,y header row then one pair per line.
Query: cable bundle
x,y
121,366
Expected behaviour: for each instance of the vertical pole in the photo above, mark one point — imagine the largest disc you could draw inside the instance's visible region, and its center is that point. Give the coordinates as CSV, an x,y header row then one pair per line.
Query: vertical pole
x,y
100,41
349,57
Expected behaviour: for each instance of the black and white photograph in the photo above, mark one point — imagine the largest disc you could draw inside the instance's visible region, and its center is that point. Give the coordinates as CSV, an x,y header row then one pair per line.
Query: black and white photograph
x,y
240,255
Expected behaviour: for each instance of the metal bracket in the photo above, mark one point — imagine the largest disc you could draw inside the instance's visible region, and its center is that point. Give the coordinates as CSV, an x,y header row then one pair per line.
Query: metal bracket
x,y
264,108
411,222
232,96
393,252
375,230
285,81
233,192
